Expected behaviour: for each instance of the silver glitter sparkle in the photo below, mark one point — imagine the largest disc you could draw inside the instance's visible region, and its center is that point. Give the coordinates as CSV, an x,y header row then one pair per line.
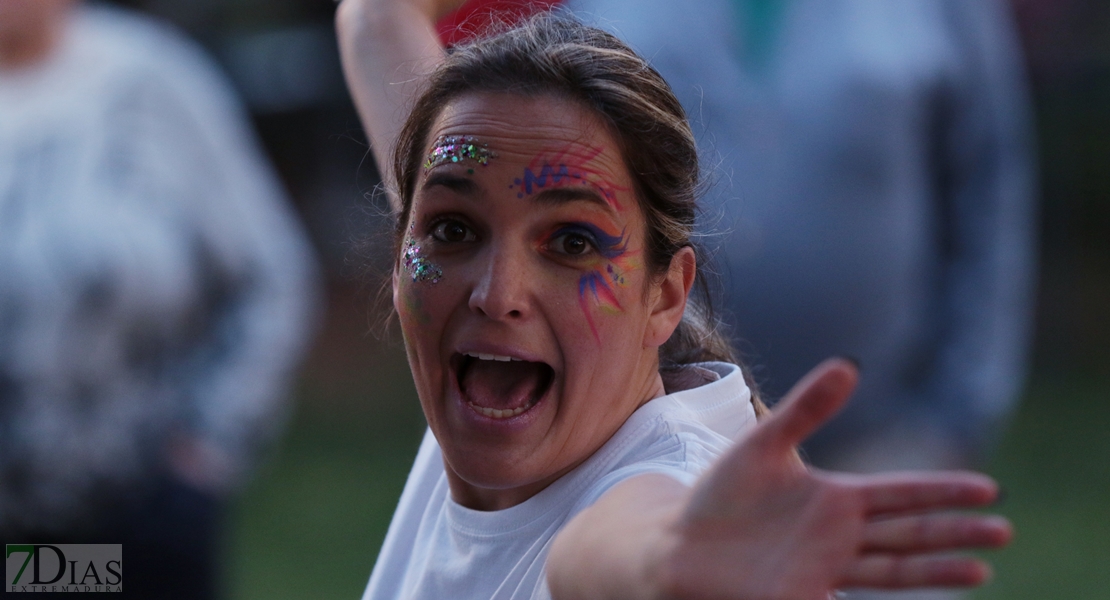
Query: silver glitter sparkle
x,y
455,148
418,266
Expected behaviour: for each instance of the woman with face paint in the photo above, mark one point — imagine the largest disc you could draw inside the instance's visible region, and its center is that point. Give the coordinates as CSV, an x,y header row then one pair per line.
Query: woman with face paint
x,y
590,435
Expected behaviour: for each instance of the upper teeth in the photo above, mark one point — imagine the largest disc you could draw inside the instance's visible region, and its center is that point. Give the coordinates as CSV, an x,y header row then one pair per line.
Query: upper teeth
x,y
481,356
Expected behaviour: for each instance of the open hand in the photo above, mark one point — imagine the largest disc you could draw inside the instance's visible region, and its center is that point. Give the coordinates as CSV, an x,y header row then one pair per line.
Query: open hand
x,y
762,525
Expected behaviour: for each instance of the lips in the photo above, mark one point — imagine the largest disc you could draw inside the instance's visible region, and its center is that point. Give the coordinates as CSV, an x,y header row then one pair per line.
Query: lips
x,y
501,387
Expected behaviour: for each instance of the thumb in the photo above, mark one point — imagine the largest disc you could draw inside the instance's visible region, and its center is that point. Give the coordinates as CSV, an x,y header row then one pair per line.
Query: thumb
x,y
809,404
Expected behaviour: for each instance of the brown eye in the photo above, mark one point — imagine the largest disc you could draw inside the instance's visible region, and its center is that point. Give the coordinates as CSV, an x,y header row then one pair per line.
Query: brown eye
x,y
453,232
575,244
571,244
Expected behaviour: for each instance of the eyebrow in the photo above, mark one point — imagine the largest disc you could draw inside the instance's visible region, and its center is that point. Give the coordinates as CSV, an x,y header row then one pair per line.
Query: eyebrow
x,y
570,194
455,183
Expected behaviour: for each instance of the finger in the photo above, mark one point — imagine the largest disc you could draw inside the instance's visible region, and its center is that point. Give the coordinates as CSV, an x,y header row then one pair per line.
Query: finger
x,y
887,493
932,533
810,403
893,571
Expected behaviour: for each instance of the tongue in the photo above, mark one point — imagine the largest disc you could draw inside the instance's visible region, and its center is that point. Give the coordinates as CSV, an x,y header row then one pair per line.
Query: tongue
x,y
503,385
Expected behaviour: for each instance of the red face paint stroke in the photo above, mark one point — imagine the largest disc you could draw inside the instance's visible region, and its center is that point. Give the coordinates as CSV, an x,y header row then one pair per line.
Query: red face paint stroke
x,y
603,276
567,167
586,308
604,269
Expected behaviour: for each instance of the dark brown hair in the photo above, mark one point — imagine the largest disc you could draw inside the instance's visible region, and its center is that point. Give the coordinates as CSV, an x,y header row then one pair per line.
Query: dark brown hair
x,y
552,53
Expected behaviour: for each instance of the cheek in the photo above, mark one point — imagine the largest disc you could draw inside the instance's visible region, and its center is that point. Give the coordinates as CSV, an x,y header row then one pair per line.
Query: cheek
x,y
410,302
415,283
606,289
422,302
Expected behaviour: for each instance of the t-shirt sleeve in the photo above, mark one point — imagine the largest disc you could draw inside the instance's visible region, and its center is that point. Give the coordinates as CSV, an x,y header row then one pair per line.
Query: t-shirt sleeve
x,y
603,485
686,459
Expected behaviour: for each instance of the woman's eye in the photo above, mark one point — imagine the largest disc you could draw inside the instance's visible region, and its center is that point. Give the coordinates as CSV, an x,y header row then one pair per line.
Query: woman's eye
x,y
572,244
453,231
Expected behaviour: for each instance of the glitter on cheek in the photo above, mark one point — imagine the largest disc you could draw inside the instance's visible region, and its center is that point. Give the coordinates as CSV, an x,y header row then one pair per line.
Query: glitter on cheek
x,y
417,266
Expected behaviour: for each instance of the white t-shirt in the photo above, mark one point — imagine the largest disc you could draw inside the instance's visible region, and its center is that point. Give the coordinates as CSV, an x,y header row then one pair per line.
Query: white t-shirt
x,y
437,548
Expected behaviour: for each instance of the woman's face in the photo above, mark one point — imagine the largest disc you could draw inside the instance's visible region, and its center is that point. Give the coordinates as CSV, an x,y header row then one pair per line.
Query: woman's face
x,y
531,325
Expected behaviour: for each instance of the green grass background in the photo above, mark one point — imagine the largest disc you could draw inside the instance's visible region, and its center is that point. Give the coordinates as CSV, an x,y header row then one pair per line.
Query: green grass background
x,y
311,523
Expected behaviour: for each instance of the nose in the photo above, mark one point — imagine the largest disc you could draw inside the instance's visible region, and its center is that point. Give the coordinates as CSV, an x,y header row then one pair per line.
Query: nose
x,y
502,289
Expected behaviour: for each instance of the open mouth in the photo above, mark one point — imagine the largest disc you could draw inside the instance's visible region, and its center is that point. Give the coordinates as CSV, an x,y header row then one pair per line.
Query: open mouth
x,y
501,387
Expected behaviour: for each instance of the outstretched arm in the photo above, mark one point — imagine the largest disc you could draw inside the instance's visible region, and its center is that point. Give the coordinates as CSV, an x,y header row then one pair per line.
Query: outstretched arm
x,y
388,47
759,525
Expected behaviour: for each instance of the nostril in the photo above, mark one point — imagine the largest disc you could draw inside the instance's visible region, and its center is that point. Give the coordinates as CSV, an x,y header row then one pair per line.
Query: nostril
x,y
499,301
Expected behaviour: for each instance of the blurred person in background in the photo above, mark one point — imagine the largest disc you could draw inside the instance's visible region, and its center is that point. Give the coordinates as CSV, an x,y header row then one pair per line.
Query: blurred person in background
x,y
156,292
876,193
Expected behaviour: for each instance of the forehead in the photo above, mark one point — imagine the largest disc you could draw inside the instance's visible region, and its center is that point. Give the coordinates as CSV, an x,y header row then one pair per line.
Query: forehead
x,y
519,128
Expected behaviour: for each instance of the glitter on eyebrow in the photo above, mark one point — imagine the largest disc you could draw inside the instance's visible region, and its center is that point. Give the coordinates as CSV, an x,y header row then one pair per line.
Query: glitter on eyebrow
x,y
417,265
454,148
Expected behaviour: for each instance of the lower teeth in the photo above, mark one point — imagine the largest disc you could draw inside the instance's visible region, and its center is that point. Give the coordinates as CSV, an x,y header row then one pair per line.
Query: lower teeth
x,y
499,413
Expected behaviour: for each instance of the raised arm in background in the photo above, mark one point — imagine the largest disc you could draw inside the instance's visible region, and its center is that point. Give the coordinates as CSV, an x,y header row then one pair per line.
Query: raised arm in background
x,y
387,48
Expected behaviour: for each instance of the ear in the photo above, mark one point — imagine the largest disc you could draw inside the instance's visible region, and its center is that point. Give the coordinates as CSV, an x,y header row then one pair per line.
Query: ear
x,y
669,299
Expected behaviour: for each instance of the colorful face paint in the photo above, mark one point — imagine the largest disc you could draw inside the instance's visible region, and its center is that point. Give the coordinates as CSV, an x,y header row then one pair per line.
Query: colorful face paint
x,y
417,266
512,292
604,272
457,148
564,167
608,245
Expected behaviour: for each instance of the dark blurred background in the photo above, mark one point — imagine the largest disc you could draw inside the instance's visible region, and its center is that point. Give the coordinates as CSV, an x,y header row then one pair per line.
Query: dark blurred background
x,y
311,522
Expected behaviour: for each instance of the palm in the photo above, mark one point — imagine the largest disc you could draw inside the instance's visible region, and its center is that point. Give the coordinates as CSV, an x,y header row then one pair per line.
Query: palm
x,y
761,525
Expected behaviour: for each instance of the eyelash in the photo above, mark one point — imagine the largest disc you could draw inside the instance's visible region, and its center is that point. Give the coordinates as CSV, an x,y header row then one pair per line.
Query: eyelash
x,y
436,226
563,232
